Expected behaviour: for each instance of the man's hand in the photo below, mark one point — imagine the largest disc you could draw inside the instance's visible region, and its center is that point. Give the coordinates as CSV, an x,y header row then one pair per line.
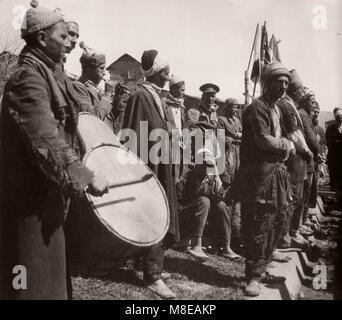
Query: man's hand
x,y
308,155
238,135
98,187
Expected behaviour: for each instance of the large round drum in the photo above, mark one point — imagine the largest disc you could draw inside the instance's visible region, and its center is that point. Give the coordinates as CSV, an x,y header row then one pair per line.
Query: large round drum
x,y
94,132
133,215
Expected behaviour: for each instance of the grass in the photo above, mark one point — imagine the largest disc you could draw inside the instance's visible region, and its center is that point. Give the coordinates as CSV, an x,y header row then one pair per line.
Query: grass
x,y
216,279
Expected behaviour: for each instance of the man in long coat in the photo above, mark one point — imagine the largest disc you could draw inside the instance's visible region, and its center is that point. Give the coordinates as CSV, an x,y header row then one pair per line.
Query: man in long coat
x,y
146,105
41,168
306,104
334,143
265,182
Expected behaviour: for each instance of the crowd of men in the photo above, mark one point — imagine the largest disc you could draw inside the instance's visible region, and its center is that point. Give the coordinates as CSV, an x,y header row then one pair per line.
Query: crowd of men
x,y
259,202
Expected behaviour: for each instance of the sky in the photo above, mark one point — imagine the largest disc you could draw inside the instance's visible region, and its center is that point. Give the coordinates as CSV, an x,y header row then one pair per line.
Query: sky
x,y
210,40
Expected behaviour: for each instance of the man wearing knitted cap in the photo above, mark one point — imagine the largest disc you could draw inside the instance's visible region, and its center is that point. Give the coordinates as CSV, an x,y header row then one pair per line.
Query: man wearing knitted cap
x,y
42,169
265,182
307,104
147,106
93,69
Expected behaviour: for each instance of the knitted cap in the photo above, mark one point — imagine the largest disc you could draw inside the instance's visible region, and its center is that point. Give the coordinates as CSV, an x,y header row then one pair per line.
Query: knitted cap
x,y
90,57
39,18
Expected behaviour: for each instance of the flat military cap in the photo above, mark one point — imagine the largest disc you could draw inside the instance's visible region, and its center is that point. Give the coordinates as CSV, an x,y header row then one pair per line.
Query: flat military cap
x,y
209,87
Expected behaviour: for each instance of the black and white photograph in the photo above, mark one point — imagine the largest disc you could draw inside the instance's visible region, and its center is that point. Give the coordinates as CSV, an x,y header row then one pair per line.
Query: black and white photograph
x,y
184,150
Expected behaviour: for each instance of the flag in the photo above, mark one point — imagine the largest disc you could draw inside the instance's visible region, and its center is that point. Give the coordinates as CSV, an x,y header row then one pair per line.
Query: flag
x,y
275,56
262,56
264,47
255,74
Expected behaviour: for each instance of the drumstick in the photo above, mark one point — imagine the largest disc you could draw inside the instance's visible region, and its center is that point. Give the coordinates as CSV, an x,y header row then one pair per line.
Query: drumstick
x,y
144,178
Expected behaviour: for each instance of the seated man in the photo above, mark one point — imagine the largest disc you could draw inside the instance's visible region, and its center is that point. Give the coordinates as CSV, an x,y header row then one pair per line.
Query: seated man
x,y
200,192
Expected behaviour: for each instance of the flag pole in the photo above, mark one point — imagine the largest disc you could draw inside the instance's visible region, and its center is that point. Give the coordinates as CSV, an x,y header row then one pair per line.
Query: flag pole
x,y
246,72
250,56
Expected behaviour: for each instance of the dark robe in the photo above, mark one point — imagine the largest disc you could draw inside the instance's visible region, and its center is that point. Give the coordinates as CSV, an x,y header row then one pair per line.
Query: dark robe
x,y
334,158
41,171
231,126
141,106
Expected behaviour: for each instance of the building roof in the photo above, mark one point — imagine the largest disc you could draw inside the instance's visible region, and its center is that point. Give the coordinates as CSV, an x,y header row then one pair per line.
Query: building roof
x,y
125,57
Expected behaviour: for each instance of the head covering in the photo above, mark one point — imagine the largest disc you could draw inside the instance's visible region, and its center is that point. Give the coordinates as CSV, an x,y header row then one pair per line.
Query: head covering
x,y
91,58
39,18
209,88
338,112
306,93
231,102
295,82
274,69
337,109
152,62
175,80
208,157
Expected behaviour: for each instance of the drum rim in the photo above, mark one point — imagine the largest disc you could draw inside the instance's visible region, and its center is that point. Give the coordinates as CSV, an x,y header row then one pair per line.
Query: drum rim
x,y
138,244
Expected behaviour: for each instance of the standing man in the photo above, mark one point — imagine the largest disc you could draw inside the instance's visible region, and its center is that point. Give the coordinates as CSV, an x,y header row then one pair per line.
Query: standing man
x,y
205,114
334,143
42,169
73,35
320,135
175,110
296,164
233,134
307,104
146,105
93,70
265,184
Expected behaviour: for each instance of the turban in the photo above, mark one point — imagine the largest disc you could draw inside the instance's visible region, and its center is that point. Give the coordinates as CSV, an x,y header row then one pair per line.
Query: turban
x,y
175,80
152,62
296,81
273,70
231,102
306,93
39,18
91,58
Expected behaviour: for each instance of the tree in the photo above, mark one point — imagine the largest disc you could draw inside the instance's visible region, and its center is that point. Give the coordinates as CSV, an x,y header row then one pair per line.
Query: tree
x,y
10,44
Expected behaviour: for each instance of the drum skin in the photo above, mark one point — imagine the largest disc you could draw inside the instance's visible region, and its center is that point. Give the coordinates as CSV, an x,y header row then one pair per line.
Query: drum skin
x,y
133,215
